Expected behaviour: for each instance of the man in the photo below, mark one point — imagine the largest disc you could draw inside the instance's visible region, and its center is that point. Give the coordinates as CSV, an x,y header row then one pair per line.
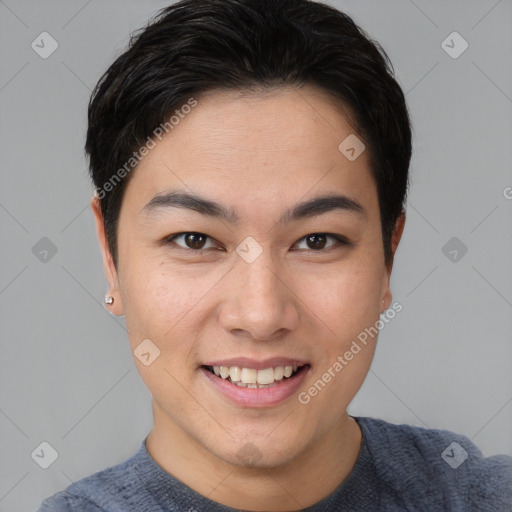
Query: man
x,y
250,159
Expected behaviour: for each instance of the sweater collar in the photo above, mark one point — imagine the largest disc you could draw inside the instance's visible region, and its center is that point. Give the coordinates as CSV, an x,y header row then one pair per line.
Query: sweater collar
x,y
169,492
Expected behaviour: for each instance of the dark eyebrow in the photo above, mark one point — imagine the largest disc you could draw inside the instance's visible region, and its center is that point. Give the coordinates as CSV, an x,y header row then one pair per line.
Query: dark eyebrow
x,y
307,209
320,205
192,202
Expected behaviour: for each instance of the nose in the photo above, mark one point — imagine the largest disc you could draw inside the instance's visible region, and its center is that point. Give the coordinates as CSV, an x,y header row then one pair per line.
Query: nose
x,y
259,300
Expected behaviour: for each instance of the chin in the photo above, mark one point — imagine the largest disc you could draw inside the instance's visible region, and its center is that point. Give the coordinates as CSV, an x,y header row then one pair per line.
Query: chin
x,y
261,453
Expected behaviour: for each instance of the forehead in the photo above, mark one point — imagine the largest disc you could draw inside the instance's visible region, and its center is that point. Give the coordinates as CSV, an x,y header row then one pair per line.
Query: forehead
x,y
258,147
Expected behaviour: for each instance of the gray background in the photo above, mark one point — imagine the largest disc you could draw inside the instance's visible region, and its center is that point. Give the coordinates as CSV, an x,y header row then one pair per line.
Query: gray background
x,y
67,375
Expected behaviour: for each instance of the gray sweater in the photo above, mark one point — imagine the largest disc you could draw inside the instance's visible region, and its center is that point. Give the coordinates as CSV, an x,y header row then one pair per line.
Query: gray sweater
x,y
400,467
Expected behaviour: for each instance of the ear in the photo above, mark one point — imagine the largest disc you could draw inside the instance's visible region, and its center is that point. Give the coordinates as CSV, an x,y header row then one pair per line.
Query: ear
x,y
108,263
386,295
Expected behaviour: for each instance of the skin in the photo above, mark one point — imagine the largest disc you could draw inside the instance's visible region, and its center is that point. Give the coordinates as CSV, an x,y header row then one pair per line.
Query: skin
x,y
260,154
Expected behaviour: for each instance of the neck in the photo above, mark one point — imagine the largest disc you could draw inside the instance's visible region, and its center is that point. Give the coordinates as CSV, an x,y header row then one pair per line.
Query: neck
x,y
310,477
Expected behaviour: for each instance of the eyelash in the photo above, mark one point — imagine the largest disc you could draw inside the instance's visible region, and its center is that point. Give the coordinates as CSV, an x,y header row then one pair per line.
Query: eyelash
x,y
341,241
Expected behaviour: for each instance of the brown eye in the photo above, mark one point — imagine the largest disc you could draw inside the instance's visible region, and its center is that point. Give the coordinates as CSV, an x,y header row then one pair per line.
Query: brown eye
x,y
318,241
195,240
192,240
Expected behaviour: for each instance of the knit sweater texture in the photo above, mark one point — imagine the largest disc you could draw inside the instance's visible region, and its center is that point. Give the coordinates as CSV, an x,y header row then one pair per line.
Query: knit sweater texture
x,y
399,468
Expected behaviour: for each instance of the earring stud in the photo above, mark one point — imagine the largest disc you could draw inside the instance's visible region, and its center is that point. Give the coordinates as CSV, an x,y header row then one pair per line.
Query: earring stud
x,y
109,300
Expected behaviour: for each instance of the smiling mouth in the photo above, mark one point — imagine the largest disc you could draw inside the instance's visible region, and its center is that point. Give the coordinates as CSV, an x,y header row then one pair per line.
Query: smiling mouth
x,y
256,379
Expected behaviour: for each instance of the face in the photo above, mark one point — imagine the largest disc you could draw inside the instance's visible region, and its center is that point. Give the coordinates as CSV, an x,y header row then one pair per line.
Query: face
x,y
249,266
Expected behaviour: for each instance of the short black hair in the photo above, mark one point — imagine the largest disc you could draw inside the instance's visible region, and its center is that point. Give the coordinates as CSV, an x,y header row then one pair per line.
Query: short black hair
x,y
196,46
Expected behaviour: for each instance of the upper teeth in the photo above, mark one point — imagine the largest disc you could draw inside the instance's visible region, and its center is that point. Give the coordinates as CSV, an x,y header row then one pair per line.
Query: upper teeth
x,y
253,376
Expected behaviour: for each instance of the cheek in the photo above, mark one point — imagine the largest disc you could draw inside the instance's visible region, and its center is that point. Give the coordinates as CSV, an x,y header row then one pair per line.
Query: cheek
x,y
165,306
348,306
160,307
347,298
156,301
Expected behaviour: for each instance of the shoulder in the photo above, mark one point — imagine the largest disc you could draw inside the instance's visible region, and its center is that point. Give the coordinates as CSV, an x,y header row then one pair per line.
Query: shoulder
x,y
410,441
492,483
65,502
94,492
438,463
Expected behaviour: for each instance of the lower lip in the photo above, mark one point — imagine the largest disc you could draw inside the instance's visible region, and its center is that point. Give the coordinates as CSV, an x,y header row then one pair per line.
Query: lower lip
x,y
258,397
